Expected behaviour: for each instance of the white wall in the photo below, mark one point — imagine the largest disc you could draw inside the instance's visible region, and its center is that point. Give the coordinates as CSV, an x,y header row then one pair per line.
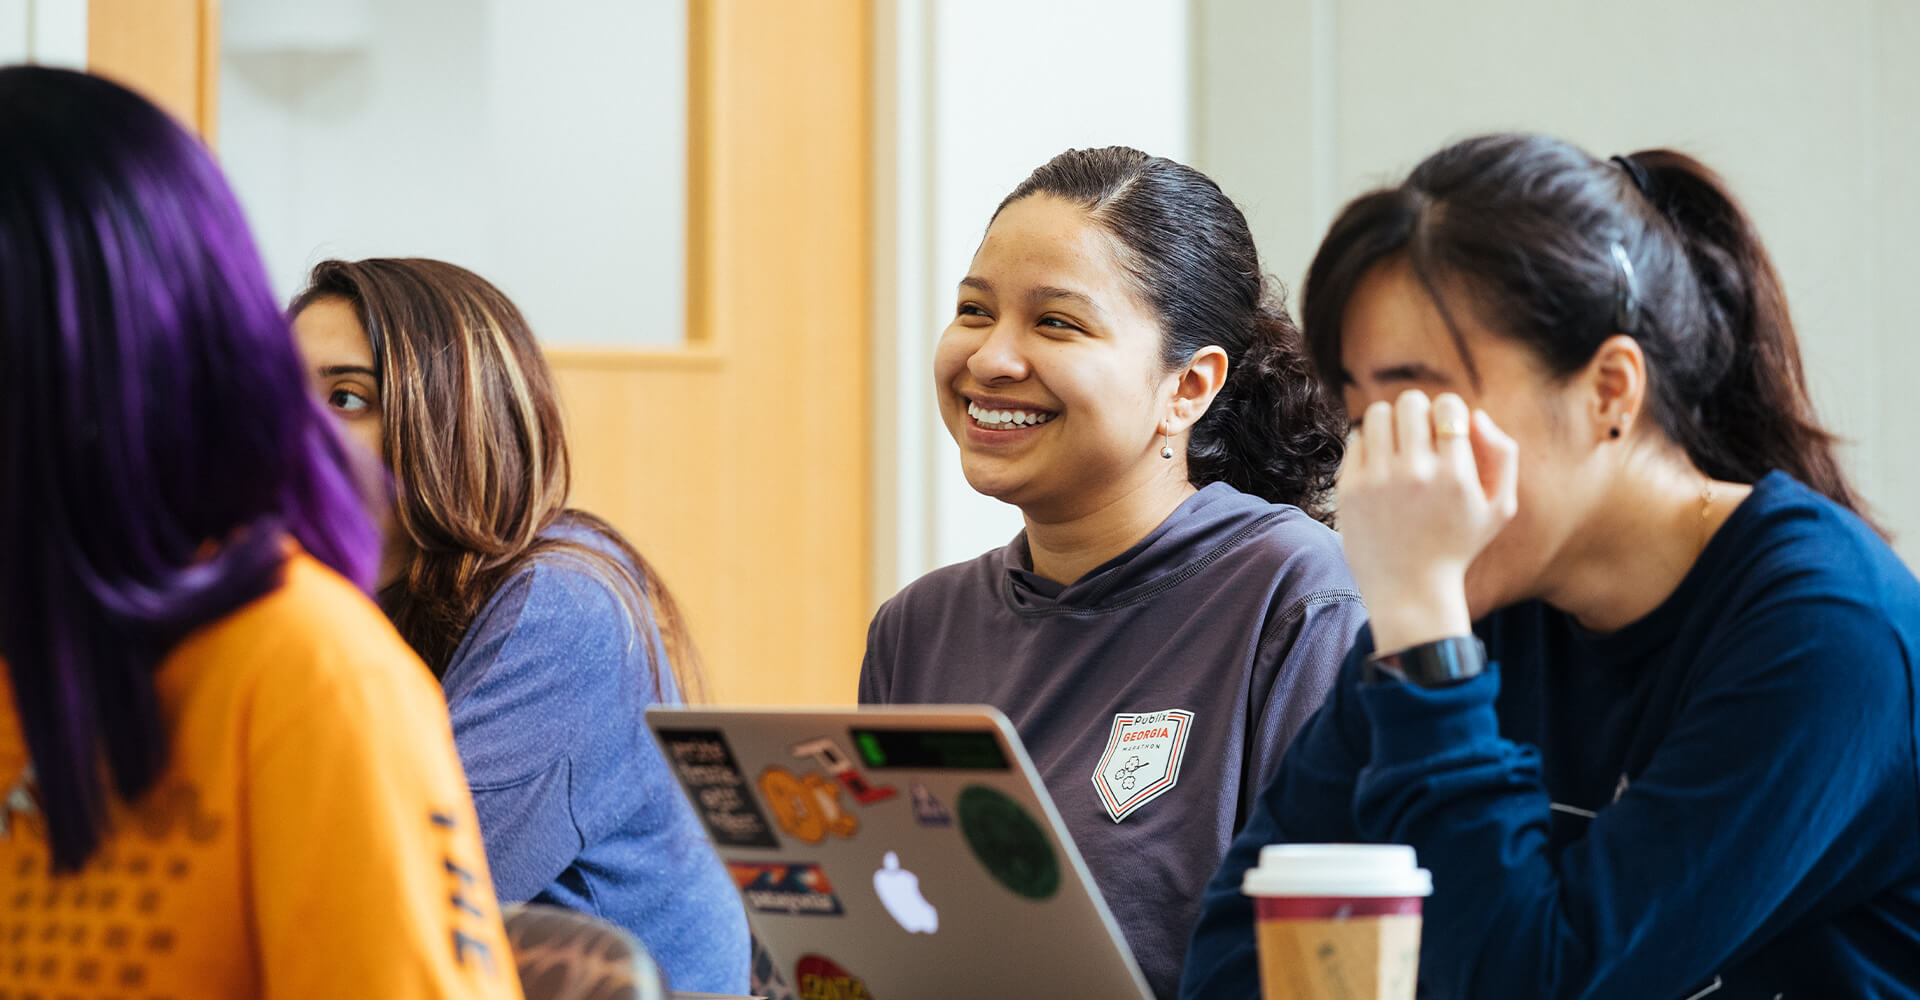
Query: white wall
x,y
1812,111
974,94
541,143
46,32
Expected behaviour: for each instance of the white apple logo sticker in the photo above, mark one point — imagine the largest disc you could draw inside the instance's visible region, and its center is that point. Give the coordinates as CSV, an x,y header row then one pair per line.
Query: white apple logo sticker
x,y
899,892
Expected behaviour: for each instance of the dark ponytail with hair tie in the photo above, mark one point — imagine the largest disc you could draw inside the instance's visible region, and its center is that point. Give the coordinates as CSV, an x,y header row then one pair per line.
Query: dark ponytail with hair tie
x,y
1755,415
1272,430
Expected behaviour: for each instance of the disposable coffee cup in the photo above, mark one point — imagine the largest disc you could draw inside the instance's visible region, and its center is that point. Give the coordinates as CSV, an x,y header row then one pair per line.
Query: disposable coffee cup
x,y
1337,921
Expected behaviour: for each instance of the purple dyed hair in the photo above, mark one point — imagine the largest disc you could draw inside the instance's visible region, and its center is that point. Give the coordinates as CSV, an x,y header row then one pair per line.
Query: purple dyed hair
x,y
158,445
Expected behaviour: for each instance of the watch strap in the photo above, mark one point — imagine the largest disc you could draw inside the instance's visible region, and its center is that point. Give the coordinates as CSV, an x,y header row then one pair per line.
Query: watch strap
x,y
1442,663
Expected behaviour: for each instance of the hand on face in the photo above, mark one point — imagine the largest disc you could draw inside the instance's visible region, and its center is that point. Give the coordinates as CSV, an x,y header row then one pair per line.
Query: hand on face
x,y
1425,486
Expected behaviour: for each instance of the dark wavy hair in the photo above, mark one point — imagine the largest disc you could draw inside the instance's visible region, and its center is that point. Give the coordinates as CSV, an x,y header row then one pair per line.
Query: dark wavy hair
x,y
1272,431
1531,224
158,445
471,430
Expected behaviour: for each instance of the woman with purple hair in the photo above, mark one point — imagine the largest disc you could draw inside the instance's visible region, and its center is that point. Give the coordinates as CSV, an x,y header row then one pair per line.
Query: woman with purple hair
x,y
222,774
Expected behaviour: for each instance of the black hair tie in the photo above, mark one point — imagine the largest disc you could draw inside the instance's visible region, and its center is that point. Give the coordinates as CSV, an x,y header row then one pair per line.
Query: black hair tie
x,y
1642,181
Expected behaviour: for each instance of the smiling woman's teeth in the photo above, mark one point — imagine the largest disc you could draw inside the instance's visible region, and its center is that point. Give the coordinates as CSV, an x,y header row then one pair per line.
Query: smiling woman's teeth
x,y
998,419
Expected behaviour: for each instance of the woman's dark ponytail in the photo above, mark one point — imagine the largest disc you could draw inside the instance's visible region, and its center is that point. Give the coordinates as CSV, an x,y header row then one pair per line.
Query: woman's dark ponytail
x,y
1272,431
1757,416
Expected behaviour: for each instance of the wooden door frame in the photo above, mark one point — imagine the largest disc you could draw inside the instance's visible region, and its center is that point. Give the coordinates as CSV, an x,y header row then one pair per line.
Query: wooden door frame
x,y
744,470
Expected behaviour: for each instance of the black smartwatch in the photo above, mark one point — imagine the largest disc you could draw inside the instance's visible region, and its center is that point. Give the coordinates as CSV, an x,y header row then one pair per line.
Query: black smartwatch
x,y
1442,663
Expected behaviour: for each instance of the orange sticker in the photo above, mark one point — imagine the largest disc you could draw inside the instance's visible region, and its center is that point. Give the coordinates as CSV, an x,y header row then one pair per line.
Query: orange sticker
x,y
806,806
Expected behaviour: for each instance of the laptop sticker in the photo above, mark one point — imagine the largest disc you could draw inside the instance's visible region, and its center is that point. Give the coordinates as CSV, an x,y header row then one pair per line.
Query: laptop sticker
x,y
1142,759
765,980
807,806
927,810
719,790
829,755
821,978
1007,842
797,890
930,749
899,891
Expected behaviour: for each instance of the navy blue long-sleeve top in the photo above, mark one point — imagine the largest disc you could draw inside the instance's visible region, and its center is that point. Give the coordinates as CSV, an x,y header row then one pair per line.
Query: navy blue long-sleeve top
x,y
1721,799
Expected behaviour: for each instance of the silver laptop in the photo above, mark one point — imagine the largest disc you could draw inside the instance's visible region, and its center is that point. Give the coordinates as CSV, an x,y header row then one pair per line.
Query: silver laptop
x,y
897,853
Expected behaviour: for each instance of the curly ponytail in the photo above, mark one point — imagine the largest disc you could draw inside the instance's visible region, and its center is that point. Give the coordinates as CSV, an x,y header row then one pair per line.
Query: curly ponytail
x,y
1272,431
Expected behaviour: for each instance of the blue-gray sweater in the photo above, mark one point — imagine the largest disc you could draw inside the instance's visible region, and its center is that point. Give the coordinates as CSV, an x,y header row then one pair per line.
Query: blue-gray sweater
x,y
1234,609
1720,800
547,691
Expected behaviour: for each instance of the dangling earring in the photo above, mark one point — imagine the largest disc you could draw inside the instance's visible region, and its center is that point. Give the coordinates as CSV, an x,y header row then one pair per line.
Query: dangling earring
x,y
1166,448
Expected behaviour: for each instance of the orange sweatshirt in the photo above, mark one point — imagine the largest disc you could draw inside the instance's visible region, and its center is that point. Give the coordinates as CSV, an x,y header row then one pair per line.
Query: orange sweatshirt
x,y
311,835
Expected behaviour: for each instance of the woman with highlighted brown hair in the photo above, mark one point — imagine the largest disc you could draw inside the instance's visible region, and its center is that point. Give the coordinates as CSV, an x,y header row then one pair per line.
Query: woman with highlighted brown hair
x,y
549,633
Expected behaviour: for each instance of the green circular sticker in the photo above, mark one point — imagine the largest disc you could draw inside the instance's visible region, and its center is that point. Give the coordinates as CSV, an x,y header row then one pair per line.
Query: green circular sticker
x,y
1008,843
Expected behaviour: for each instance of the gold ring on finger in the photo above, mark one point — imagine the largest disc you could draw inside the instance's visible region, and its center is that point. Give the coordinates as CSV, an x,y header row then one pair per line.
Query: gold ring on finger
x,y
1449,426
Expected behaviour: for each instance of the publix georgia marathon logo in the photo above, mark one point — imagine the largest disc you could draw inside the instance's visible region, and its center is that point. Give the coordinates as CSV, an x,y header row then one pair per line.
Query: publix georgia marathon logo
x,y
1142,759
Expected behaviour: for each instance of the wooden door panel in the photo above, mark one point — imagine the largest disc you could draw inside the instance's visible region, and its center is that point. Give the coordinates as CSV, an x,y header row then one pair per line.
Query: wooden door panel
x,y
166,49
742,467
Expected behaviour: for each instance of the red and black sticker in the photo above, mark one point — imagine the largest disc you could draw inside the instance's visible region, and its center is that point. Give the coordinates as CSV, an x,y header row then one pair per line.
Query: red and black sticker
x,y
713,780
821,978
827,752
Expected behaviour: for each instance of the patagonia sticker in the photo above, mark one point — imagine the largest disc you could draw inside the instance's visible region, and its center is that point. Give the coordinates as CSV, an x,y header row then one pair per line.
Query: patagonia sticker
x,y
1007,842
713,781
1142,759
799,890
821,978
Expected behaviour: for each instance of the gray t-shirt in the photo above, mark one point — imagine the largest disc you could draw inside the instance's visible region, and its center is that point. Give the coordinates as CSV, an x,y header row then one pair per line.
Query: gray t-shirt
x,y
1161,688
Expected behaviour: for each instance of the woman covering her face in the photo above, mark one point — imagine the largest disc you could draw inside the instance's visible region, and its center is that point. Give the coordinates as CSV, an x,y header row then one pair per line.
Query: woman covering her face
x,y
1683,763
549,633
222,774
1118,368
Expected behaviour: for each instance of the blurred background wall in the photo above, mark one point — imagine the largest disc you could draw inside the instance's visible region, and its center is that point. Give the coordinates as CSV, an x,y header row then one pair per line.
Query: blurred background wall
x,y
738,223
542,142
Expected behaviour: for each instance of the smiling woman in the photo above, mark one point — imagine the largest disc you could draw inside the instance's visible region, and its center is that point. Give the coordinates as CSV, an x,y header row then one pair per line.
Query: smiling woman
x,y
1118,370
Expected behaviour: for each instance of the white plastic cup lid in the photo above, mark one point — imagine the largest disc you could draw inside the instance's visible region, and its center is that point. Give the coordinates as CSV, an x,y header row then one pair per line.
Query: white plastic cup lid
x,y
1375,871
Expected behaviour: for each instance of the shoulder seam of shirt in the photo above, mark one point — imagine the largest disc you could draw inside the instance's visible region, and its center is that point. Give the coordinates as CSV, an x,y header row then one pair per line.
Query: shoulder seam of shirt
x,y
1150,591
1338,595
